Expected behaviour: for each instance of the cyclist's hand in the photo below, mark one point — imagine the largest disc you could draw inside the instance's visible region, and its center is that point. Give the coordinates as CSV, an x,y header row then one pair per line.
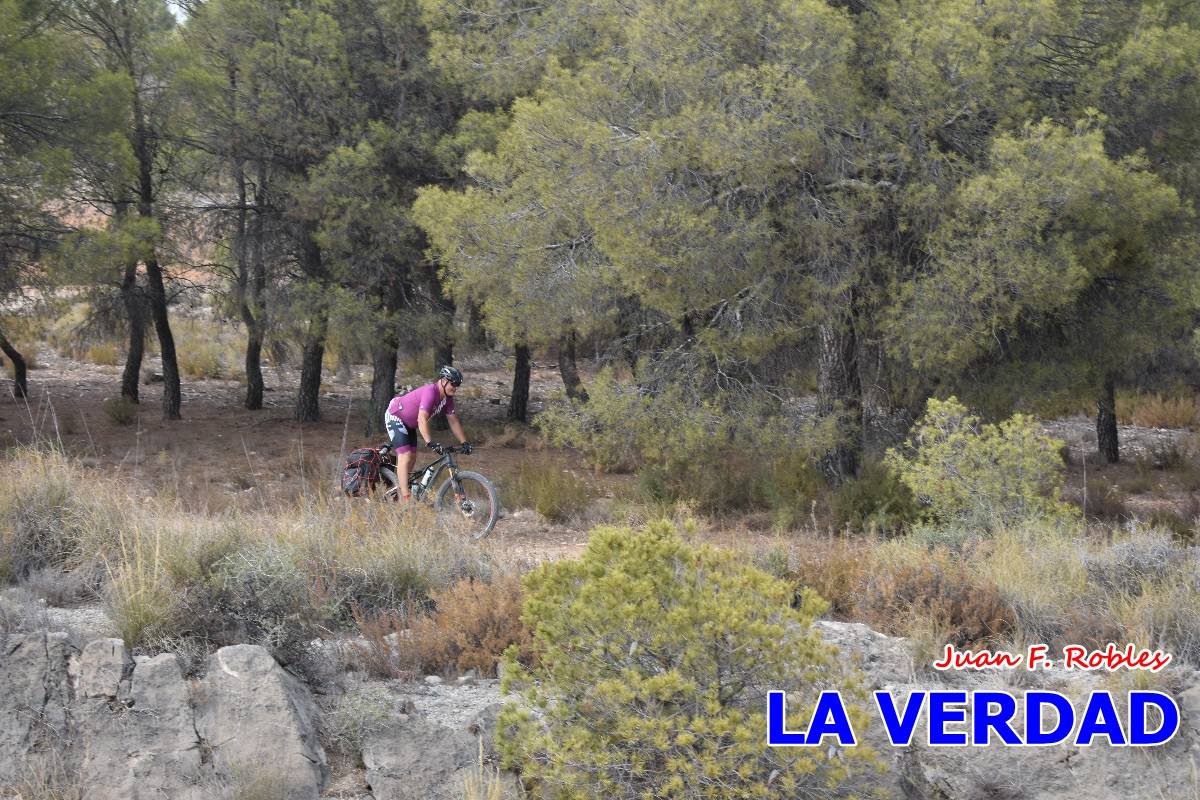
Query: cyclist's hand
x,y
466,448
435,447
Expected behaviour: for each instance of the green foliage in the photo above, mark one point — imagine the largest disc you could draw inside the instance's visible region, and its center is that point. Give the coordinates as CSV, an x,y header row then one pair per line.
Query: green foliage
x,y
980,475
547,488
651,659
120,410
686,448
789,485
1027,257
876,500
604,429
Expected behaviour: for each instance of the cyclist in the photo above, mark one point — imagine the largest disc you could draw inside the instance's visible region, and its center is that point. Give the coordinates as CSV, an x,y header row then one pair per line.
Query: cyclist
x,y
409,413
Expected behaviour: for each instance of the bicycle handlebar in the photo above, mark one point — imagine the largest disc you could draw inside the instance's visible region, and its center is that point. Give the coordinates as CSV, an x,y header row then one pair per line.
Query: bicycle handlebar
x,y
385,448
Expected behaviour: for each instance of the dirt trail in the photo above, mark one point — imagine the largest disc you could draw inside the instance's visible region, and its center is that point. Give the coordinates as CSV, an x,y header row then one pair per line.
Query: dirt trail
x,y
220,453
220,450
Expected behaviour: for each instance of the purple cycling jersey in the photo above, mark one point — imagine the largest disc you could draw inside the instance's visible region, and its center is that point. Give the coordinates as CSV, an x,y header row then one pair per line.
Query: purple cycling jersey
x,y
426,398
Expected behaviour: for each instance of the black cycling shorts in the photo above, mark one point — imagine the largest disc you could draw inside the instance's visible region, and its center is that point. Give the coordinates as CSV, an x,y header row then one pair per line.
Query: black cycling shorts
x,y
403,438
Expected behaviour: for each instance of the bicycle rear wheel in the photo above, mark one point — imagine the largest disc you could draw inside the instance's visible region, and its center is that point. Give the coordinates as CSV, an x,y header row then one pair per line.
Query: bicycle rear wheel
x,y
477,504
389,486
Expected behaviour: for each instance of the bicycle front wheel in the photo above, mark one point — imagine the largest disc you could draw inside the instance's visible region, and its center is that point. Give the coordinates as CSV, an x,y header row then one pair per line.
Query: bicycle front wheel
x,y
470,497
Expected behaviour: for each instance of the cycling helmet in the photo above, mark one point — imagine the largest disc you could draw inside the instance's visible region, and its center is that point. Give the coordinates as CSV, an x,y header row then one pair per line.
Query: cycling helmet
x,y
452,374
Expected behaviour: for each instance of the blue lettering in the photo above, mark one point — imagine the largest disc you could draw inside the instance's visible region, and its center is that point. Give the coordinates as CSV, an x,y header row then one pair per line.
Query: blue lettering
x,y
829,718
900,728
1138,703
983,721
1100,719
1035,705
939,715
833,721
777,733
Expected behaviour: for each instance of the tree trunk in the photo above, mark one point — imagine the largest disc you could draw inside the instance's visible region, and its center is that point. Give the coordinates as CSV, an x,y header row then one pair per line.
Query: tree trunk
x,y
131,294
20,381
241,248
383,381
154,276
255,387
252,297
172,397
476,335
569,369
308,406
518,404
443,354
1106,423
839,394
308,402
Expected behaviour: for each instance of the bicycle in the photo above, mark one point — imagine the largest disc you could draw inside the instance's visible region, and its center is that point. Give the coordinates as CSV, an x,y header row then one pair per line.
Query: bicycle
x,y
471,494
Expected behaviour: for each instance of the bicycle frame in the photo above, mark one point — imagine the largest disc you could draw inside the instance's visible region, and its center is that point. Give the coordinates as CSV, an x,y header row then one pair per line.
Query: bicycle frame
x,y
434,468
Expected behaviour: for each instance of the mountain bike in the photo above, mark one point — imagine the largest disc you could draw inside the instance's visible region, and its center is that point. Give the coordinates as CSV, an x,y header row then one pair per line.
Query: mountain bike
x,y
464,494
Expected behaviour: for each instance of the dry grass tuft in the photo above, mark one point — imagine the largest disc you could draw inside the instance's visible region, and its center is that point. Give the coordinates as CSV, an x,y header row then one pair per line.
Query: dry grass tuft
x,y
384,651
835,568
555,493
473,624
103,353
1158,410
937,595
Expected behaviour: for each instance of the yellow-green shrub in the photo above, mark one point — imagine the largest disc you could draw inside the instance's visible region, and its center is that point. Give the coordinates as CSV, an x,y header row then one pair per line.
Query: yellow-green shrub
x,y
652,656
614,428
982,475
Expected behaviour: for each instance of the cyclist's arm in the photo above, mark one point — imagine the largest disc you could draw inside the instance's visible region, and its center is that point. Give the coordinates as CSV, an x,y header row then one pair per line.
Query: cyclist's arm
x,y
456,428
423,425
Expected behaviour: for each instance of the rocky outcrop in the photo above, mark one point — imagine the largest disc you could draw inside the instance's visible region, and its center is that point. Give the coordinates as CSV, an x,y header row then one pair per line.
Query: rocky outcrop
x,y
260,724
35,697
416,759
134,725
134,729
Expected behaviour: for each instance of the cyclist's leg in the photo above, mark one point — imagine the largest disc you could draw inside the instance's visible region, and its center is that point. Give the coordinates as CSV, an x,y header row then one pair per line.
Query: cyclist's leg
x,y
404,466
403,440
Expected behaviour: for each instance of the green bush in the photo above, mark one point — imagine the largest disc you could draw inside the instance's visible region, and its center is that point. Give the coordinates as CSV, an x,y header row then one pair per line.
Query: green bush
x,y
981,475
552,491
692,450
788,486
877,500
622,426
120,410
651,661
